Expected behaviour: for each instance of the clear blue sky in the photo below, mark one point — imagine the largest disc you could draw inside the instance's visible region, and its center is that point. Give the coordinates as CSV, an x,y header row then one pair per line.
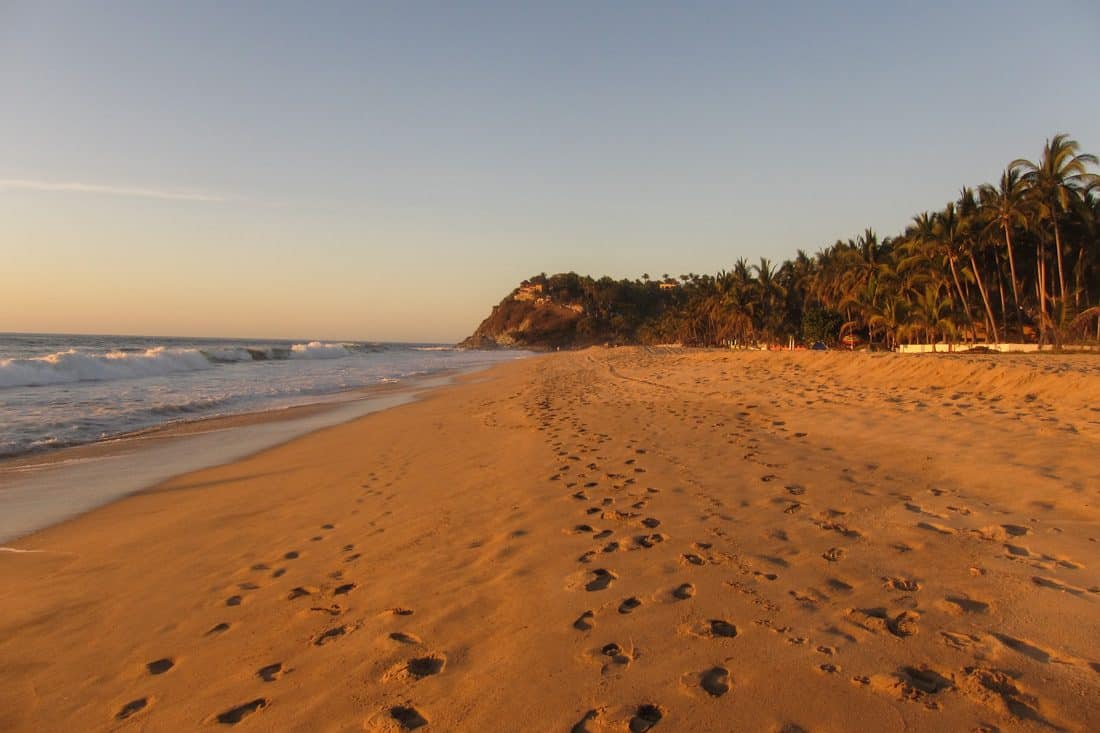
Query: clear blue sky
x,y
390,171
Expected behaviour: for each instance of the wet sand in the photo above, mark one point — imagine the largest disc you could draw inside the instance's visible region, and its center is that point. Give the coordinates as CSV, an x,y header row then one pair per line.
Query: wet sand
x,y
609,540
41,489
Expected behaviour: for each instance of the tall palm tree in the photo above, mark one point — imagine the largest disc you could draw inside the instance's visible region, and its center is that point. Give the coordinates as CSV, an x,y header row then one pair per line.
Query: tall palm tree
x,y
1054,182
939,236
1007,206
970,227
769,291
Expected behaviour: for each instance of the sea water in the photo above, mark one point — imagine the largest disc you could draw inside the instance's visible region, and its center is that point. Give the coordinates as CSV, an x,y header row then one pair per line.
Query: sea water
x,y
61,390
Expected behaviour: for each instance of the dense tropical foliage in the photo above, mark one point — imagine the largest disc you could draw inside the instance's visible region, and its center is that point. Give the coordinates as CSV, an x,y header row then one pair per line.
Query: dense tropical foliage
x,y
1018,260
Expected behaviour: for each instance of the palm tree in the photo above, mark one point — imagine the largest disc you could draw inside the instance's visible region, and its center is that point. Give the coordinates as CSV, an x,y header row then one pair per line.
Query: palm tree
x,y
932,314
1007,206
891,315
939,236
970,226
769,291
731,308
1054,182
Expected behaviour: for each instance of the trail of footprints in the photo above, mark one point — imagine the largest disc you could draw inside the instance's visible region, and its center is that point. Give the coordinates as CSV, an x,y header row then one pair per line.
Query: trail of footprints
x,y
322,600
632,528
599,491
603,479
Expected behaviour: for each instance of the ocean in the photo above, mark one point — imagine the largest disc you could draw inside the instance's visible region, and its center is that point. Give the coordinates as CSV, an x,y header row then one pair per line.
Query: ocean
x,y
64,390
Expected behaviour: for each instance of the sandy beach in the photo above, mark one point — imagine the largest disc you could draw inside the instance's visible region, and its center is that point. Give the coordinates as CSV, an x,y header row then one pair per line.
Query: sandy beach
x,y
597,541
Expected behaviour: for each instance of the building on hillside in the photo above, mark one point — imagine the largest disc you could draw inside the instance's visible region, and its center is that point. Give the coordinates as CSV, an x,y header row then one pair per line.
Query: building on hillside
x,y
528,290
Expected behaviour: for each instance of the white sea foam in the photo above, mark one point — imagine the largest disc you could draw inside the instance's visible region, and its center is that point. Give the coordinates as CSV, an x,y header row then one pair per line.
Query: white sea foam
x,y
318,350
64,367
63,390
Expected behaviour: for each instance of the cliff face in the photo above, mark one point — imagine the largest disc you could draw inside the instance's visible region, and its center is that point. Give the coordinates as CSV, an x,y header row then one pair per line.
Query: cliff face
x,y
527,319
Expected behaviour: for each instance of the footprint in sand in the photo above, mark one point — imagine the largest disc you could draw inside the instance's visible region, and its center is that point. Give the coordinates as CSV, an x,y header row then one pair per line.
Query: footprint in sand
x,y
408,717
330,635
646,718
239,713
960,604
131,708
218,629
925,679
715,681
1028,649
629,604
403,637
1055,584
602,580
904,624
722,628
933,527
160,666
617,654
585,622
300,592
426,666
684,591
271,672
649,540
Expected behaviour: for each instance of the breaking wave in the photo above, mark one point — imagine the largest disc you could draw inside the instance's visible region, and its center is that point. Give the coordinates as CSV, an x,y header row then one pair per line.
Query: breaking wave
x,y
64,367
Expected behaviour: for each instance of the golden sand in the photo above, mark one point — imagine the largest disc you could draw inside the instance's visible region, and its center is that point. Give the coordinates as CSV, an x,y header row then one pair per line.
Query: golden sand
x,y
610,540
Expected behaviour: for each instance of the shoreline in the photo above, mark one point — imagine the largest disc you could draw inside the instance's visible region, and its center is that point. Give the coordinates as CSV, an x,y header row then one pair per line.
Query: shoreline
x,y
187,425
33,496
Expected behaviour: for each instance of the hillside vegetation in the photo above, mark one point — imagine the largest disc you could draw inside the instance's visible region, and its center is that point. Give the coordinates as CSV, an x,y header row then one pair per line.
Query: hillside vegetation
x,y
1015,260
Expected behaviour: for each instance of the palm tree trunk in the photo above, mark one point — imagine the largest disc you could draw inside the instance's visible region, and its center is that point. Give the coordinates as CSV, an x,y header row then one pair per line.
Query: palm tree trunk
x,y
1001,293
962,295
1041,291
1058,252
985,297
1015,287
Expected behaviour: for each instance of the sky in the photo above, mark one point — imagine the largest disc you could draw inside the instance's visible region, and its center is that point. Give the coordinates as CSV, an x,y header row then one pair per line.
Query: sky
x,y
390,171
